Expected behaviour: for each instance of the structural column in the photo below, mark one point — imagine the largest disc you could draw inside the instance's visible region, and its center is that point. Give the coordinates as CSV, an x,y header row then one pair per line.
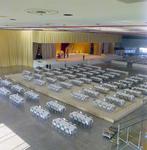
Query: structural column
x,y
106,48
98,48
137,50
53,46
58,48
112,48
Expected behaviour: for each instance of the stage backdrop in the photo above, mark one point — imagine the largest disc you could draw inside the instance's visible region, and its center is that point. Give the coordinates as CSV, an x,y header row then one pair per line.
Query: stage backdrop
x,y
16,47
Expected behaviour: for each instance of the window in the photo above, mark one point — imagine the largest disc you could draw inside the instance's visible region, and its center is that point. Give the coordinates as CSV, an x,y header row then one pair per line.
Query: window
x,y
129,50
142,50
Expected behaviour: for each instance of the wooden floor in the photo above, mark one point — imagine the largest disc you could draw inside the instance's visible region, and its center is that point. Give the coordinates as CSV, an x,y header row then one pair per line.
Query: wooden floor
x,y
65,96
79,57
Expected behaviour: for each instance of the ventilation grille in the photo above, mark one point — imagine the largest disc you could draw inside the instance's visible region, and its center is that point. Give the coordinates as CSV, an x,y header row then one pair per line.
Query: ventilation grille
x,y
132,1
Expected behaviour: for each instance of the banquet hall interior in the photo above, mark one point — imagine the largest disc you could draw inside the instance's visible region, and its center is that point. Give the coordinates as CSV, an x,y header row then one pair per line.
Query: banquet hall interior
x,y
57,49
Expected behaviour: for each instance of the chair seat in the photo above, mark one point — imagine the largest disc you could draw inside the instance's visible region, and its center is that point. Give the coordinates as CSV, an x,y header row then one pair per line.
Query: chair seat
x,y
83,122
129,98
54,124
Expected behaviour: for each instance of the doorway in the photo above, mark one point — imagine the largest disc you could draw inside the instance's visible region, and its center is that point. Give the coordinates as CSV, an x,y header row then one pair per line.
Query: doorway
x,y
92,48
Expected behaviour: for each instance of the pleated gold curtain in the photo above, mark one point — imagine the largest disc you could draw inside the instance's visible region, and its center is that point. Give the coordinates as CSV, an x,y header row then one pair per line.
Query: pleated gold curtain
x,y
73,37
53,50
106,48
16,48
35,48
46,50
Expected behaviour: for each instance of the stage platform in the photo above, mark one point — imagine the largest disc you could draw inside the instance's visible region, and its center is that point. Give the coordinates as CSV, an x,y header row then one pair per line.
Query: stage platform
x,y
119,63
135,65
75,59
65,96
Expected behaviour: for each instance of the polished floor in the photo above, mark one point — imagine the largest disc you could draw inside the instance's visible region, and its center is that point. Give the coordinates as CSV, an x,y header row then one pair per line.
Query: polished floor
x,y
65,96
79,57
41,136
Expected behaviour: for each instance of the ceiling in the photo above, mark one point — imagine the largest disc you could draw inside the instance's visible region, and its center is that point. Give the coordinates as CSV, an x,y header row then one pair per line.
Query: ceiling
x,y
126,17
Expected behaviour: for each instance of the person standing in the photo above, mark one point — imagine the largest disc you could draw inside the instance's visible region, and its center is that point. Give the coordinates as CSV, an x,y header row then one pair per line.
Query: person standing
x,y
49,66
58,56
65,63
67,53
38,55
46,65
83,57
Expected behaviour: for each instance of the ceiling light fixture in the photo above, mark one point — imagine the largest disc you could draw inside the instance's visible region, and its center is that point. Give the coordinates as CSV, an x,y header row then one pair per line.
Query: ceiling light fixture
x,y
41,12
13,19
67,14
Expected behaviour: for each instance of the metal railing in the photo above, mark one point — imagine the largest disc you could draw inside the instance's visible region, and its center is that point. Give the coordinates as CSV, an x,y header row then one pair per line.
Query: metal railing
x,y
131,137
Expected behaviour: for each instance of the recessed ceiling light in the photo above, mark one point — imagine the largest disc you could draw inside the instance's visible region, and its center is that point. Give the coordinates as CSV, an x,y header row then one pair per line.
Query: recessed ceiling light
x,y
68,14
12,19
